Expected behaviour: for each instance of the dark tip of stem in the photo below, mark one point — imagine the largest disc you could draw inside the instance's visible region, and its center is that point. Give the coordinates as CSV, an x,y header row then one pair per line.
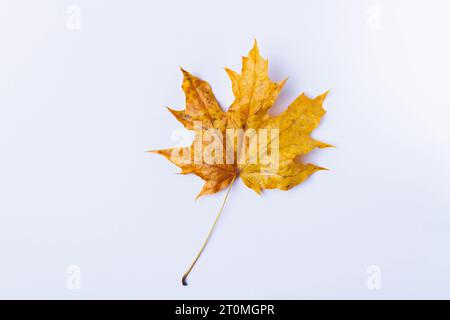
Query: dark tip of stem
x,y
183,281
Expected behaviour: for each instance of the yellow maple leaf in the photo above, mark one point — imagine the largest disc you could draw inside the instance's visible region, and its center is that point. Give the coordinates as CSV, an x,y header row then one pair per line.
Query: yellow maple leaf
x,y
238,141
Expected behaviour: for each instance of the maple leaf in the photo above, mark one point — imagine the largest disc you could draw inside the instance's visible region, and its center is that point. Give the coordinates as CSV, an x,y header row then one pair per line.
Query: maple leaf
x,y
254,95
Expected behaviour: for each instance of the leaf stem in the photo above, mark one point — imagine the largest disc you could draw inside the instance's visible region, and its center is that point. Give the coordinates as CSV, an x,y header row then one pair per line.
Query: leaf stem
x,y
184,279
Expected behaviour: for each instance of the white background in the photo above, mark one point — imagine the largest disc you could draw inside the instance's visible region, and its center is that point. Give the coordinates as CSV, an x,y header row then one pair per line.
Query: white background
x,y
80,107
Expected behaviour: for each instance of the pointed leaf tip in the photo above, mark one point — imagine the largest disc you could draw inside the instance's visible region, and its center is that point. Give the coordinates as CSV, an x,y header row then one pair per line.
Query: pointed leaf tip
x,y
255,50
185,72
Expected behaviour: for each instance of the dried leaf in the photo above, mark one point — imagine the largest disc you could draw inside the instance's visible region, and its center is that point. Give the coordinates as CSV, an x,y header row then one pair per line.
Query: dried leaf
x,y
245,122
